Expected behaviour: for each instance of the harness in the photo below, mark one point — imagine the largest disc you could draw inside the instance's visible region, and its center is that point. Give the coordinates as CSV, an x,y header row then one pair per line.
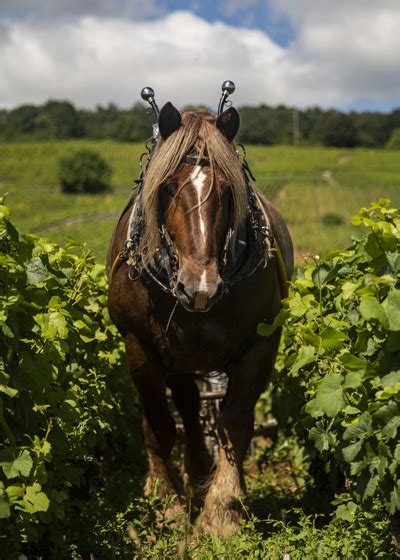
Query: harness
x,y
253,247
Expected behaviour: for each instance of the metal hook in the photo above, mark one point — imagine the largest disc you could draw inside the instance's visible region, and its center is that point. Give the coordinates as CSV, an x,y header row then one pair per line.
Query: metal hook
x,y
144,155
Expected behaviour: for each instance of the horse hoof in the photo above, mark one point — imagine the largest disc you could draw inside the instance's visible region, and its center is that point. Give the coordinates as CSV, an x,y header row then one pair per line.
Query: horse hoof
x,y
221,526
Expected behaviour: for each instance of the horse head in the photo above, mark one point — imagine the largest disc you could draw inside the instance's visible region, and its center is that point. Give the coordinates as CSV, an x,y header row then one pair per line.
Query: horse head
x,y
196,175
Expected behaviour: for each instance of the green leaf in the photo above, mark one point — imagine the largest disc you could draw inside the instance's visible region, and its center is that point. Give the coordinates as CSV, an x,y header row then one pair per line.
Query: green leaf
x,y
387,411
4,212
370,308
7,390
390,430
371,487
332,338
394,260
351,362
353,379
323,438
391,379
14,466
395,499
330,397
4,503
34,500
299,306
312,409
306,355
36,271
52,325
359,430
351,451
14,493
346,511
391,305
348,290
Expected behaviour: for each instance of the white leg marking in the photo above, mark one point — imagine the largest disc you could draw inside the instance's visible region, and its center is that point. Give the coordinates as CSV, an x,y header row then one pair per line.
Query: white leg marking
x,y
198,178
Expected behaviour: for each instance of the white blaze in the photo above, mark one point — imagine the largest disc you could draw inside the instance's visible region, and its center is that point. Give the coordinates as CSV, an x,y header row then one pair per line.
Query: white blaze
x,y
203,282
198,178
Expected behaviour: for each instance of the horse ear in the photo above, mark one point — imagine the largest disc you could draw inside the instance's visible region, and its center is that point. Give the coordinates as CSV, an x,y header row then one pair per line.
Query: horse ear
x,y
228,123
169,120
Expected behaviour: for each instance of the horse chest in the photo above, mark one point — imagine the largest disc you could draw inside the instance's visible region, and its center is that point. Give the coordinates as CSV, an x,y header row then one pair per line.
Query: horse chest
x,y
196,342
197,347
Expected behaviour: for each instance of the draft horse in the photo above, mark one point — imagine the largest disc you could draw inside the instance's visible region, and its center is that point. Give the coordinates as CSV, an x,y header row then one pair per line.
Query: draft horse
x,y
195,264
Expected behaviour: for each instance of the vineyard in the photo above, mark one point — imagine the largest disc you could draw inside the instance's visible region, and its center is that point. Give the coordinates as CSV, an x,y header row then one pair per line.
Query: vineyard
x,y
71,458
316,189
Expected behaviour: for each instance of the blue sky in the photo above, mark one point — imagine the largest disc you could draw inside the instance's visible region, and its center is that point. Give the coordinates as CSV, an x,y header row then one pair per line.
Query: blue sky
x,y
253,15
301,53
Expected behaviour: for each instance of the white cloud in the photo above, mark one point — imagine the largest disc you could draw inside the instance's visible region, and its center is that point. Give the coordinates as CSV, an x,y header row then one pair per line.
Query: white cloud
x,y
50,9
352,45
90,60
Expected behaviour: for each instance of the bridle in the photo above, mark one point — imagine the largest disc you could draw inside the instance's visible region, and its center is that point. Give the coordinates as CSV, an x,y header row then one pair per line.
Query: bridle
x,y
252,246
254,243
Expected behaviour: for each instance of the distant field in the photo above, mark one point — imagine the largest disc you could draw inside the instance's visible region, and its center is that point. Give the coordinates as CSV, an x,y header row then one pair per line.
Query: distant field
x,y
306,183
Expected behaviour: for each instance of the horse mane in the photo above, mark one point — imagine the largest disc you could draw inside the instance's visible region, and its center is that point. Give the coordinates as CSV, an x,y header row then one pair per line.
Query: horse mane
x,y
198,135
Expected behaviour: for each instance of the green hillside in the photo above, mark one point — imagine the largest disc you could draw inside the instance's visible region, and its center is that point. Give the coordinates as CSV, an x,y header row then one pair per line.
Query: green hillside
x,y
316,189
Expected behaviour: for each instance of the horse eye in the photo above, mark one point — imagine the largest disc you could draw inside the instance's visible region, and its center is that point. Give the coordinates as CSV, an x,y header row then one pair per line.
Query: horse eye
x,y
170,187
226,189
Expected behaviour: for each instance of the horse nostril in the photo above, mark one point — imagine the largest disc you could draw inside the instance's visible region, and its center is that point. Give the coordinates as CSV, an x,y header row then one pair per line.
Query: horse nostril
x,y
180,289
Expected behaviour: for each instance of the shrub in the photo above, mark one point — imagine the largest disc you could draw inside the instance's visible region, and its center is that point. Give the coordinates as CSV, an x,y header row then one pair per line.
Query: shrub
x,y
332,219
394,141
84,171
58,404
339,380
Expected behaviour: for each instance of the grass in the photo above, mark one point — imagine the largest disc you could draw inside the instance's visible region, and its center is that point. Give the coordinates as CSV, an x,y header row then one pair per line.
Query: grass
x,y
306,183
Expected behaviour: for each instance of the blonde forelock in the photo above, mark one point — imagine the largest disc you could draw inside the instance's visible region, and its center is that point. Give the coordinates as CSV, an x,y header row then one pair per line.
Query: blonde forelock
x,y
198,136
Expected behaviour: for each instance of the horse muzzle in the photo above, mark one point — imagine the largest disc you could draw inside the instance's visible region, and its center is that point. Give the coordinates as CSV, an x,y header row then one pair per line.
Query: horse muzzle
x,y
198,300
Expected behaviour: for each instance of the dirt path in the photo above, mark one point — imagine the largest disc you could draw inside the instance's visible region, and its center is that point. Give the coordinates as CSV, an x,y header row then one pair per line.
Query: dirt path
x,y
75,220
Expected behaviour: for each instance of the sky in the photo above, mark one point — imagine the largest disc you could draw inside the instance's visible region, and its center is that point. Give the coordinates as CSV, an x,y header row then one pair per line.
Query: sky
x,y
302,53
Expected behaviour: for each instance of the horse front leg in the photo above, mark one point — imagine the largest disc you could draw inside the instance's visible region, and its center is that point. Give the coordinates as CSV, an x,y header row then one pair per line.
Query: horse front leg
x,y
198,461
158,425
223,506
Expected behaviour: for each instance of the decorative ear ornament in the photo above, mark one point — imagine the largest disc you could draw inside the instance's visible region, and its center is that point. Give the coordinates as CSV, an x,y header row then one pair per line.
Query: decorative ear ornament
x,y
227,87
147,94
169,118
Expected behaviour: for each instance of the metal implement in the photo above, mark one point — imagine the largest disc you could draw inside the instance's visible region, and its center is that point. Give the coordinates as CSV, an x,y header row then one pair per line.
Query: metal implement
x,y
147,94
227,87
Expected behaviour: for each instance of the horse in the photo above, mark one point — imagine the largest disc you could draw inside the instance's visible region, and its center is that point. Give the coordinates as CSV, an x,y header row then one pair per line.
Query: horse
x,y
199,258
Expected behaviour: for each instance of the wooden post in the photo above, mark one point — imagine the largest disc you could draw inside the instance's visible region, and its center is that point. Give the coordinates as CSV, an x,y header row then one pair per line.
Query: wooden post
x,y
296,127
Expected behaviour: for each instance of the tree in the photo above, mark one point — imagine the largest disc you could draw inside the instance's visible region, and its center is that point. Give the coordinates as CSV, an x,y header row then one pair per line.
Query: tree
x,y
133,125
335,129
394,141
21,121
84,171
59,119
373,129
265,125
